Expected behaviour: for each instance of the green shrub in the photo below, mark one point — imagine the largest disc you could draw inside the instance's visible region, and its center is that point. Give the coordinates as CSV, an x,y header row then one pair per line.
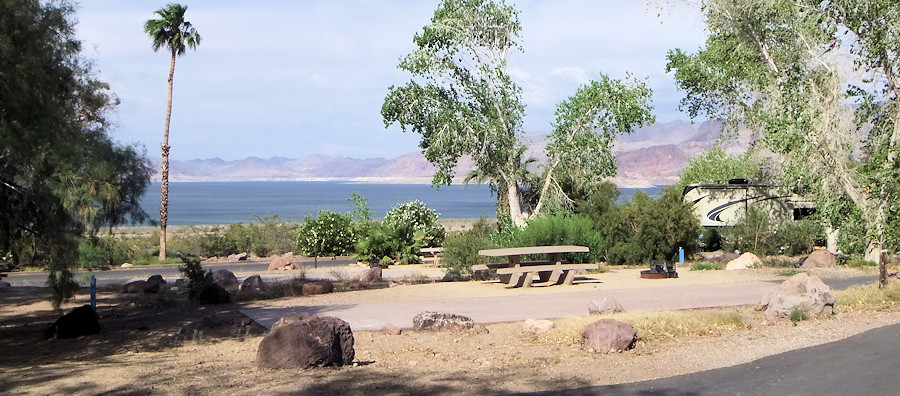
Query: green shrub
x,y
646,229
859,262
754,232
561,229
196,277
789,272
799,237
390,243
777,262
705,266
799,314
460,250
328,234
421,218
97,252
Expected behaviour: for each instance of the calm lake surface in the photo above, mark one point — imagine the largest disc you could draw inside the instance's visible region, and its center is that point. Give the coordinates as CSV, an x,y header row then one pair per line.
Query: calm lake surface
x,y
234,202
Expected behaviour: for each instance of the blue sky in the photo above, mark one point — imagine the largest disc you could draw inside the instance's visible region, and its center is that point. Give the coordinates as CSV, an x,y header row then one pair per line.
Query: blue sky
x,y
291,78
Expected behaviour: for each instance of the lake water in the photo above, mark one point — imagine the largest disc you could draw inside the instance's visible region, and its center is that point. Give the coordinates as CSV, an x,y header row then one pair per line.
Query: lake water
x,y
234,202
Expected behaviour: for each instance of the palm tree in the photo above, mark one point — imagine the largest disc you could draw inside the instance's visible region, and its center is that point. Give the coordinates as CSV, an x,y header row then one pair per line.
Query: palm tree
x,y
176,34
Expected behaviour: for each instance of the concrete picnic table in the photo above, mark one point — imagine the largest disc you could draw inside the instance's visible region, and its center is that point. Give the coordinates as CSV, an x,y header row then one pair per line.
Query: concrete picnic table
x,y
520,273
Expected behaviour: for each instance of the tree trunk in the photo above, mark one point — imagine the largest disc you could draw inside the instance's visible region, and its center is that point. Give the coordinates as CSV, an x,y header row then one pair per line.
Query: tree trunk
x,y
164,193
882,270
515,207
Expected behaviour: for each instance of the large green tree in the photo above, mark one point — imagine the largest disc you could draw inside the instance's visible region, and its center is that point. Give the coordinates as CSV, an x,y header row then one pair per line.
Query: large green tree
x,y
60,173
463,102
176,34
810,77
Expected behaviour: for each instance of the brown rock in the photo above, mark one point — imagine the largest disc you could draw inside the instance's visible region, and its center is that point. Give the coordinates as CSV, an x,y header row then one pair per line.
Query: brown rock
x,y
820,259
317,287
390,329
214,294
746,260
608,335
154,283
608,305
801,291
280,263
441,321
316,341
79,322
480,329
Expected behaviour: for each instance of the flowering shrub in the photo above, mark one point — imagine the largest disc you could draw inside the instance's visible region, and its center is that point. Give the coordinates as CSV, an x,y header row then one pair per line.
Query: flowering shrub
x,y
328,234
421,218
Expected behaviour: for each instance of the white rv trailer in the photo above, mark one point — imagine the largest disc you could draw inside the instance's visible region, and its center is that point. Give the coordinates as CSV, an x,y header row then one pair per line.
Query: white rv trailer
x,y
719,205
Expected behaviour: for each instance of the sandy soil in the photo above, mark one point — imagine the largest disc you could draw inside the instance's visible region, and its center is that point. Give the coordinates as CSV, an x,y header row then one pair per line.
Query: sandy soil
x,y
163,345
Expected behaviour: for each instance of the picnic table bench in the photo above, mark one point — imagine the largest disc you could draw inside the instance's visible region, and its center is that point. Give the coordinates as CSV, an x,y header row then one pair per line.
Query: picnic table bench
x,y
431,255
516,272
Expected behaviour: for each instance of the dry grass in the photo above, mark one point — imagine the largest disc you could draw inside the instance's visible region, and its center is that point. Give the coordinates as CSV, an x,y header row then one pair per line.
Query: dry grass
x,y
868,297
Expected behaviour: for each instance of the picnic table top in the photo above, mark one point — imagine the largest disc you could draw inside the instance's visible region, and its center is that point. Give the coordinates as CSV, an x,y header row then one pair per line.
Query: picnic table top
x,y
518,251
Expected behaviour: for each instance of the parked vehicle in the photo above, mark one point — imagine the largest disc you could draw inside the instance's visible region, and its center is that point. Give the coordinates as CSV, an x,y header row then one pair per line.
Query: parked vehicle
x,y
718,205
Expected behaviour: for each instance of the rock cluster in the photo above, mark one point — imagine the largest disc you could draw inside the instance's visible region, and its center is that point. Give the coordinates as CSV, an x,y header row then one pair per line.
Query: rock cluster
x,y
152,285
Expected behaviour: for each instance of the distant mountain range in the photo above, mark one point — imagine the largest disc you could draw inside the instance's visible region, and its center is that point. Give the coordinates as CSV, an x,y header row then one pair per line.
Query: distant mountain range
x,y
653,155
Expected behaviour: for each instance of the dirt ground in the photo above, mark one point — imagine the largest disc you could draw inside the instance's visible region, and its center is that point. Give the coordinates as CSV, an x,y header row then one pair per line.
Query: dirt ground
x,y
160,344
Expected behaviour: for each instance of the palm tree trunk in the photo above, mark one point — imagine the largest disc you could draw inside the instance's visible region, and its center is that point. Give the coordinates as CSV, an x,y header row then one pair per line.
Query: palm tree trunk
x,y
164,194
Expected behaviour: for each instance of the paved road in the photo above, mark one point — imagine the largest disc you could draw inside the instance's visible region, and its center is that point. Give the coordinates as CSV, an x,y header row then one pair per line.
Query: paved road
x,y
122,275
865,364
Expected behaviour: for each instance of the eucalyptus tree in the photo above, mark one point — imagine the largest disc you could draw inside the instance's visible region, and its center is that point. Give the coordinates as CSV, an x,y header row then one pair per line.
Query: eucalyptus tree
x,y
463,102
176,34
61,175
810,77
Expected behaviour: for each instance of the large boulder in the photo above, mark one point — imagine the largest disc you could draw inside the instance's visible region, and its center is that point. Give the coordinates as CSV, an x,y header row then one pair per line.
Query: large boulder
x,y
608,305
81,321
154,283
608,335
317,287
315,341
370,275
224,278
214,294
441,321
820,259
744,261
281,263
801,291
252,283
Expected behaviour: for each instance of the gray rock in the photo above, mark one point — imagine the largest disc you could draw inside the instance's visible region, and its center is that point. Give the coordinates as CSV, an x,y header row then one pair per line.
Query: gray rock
x,y
214,294
253,283
154,283
4,284
370,275
233,258
441,321
390,329
224,278
316,341
80,322
608,305
801,291
538,326
137,286
608,335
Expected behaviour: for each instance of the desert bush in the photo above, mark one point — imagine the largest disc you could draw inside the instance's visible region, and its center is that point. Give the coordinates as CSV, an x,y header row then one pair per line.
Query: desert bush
x,y
328,234
705,266
390,243
460,250
97,252
753,232
271,235
777,262
798,237
859,262
789,272
422,219
196,277
799,314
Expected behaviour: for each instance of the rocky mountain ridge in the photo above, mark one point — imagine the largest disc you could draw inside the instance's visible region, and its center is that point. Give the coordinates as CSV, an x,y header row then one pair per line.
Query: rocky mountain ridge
x,y
653,155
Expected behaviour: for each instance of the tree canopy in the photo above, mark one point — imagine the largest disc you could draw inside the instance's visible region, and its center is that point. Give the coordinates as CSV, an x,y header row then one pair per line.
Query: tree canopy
x,y
60,172
463,102
810,77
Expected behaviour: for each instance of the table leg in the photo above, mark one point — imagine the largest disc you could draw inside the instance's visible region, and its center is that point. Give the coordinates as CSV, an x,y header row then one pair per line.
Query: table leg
x,y
515,279
556,259
526,282
570,277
